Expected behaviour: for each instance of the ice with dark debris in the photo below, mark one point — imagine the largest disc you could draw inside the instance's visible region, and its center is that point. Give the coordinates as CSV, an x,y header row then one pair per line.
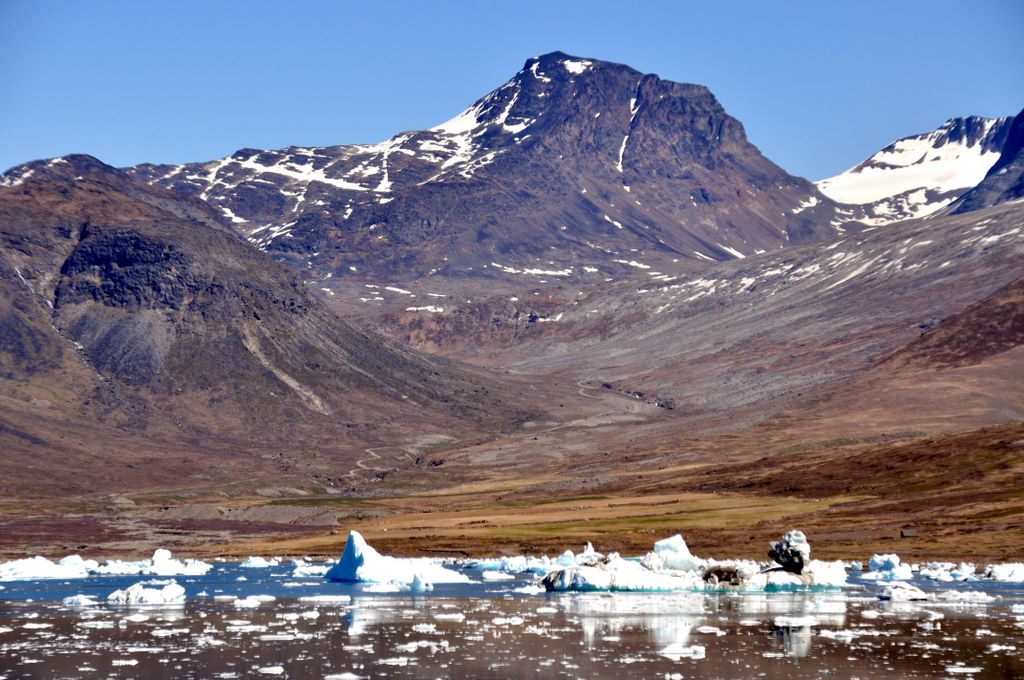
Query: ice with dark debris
x,y
1008,572
671,567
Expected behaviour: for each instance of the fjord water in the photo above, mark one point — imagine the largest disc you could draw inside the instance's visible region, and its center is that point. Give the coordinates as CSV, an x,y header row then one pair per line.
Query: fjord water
x,y
500,630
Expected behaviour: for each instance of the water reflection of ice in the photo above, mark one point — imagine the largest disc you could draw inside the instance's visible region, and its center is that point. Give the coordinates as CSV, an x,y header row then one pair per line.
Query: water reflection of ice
x,y
665,619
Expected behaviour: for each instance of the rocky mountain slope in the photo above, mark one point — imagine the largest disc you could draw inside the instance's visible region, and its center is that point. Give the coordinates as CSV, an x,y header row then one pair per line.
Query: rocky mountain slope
x,y
746,336
132,313
918,175
567,171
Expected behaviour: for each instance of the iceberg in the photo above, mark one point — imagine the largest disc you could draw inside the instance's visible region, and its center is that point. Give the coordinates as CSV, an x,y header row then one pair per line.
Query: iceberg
x,y
138,594
361,563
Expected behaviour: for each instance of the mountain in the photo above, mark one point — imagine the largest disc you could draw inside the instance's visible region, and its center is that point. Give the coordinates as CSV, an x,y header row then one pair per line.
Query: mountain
x,y
1005,180
570,170
132,314
918,175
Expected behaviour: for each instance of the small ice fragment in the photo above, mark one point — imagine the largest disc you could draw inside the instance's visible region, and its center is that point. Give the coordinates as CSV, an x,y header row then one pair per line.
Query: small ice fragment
x,y
677,651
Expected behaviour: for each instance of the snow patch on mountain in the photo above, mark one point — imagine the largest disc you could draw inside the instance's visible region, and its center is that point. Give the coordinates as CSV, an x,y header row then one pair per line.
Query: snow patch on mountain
x,y
919,175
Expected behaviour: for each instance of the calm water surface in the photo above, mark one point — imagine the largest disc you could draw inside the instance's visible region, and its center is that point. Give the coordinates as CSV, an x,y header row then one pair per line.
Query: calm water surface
x,y
488,630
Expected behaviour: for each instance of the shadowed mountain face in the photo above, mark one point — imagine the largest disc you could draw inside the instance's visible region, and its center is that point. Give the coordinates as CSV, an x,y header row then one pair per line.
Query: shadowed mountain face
x,y
563,171
1005,180
134,309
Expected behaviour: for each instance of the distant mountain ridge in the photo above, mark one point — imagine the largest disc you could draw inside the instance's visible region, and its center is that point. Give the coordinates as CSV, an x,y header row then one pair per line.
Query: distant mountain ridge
x,y
568,169
920,175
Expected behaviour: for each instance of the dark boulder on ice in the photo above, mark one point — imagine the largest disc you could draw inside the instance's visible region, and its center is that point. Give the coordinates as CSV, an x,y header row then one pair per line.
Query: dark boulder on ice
x,y
792,552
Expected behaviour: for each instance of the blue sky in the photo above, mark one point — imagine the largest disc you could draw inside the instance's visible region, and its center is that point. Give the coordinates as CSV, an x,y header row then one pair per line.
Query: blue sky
x,y
818,85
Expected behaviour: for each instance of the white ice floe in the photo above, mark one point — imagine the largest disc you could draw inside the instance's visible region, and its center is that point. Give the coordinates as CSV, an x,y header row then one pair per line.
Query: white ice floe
x,y
900,591
964,596
518,564
303,568
887,567
79,601
256,562
360,562
139,594
677,651
161,564
948,571
252,601
1011,572
39,567
497,576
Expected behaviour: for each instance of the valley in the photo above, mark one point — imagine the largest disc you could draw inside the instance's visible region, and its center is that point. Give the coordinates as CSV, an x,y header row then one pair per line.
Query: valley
x,y
585,309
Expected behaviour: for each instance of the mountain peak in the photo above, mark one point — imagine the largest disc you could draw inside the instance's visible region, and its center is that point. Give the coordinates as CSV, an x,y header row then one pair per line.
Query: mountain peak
x,y
573,166
918,175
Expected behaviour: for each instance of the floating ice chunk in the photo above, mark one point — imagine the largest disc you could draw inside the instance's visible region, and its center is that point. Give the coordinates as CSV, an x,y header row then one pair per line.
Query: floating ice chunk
x,y
887,568
303,568
960,669
964,596
1011,572
326,599
161,564
79,601
948,571
677,651
139,594
710,630
252,601
360,562
673,553
615,573
829,574
256,562
39,567
515,565
529,590
165,565
497,576
903,592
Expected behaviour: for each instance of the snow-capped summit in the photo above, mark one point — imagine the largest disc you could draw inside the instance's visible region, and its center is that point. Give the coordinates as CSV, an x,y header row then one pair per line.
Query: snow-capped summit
x,y
918,175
